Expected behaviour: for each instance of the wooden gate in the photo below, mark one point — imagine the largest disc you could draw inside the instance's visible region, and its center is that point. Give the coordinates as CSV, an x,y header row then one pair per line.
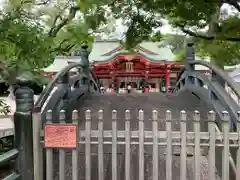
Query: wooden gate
x,y
61,138
38,146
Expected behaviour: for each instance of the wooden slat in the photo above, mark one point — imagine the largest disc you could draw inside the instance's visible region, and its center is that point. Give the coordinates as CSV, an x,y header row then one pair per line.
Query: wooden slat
x,y
88,145
62,156
183,159
155,144
141,145
37,148
49,152
211,150
127,145
75,165
169,145
161,135
114,145
238,150
197,148
100,146
225,152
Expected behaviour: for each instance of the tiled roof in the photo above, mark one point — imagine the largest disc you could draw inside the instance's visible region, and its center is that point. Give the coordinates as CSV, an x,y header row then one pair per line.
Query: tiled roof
x,y
102,47
61,62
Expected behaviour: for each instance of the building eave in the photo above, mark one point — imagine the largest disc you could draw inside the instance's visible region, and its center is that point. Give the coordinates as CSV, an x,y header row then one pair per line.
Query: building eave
x,y
112,57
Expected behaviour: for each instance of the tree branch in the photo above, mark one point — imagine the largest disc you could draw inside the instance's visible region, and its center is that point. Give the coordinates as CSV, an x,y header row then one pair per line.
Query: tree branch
x,y
194,34
37,4
56,27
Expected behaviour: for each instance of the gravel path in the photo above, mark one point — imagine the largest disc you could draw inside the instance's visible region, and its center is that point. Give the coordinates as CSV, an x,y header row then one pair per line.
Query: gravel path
x,y
134,103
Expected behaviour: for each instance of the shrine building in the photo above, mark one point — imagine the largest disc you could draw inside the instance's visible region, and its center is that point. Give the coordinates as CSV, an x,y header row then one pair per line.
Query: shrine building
x,y
149,62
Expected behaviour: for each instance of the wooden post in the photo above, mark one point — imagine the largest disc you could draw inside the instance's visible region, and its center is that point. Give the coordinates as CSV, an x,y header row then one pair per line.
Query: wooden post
x,y
169,145
114,145
183,158
37,147
212,144
127,145
88,145
197,148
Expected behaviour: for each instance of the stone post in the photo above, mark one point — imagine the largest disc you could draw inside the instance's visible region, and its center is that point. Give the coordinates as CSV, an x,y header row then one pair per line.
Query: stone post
x,y
85,61
23,129
63,82
190,55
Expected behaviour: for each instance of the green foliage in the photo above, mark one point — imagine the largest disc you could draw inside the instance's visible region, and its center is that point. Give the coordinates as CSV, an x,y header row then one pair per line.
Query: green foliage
x,y
71,37
66,25
4,108
222,34
176,42
156,37
23,46
180,56
136,33
220,52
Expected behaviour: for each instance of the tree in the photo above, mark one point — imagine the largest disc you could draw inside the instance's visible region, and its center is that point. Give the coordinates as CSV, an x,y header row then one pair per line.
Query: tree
x,y
33,32
23,47
207,21
51,29
220,52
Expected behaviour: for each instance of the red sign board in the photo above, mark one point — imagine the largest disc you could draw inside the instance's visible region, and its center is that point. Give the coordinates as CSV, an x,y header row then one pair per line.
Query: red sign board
x,y
60,136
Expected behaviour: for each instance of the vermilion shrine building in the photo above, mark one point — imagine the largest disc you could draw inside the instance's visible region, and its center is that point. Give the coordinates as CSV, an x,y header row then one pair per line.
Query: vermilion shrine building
x,y
150,63
115,66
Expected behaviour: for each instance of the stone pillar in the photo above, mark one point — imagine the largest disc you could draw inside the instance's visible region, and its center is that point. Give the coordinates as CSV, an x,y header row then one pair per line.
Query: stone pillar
x,y
23,128
190,55
85,61
63,83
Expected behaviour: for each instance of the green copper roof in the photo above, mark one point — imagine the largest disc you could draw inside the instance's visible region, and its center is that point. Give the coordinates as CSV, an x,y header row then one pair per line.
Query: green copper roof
x,y
61,62
102,47
231,67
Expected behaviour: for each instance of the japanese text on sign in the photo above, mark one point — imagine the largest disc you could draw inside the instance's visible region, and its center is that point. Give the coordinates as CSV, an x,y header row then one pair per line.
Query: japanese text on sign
x,y
60,136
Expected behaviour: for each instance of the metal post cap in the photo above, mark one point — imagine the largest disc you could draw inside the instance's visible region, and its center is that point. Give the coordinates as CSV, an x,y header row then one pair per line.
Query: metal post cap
x,y
23,80
84,46
190,44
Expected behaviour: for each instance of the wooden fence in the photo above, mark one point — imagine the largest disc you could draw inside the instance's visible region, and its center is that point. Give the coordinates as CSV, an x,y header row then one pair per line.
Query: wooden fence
x,y
141,138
